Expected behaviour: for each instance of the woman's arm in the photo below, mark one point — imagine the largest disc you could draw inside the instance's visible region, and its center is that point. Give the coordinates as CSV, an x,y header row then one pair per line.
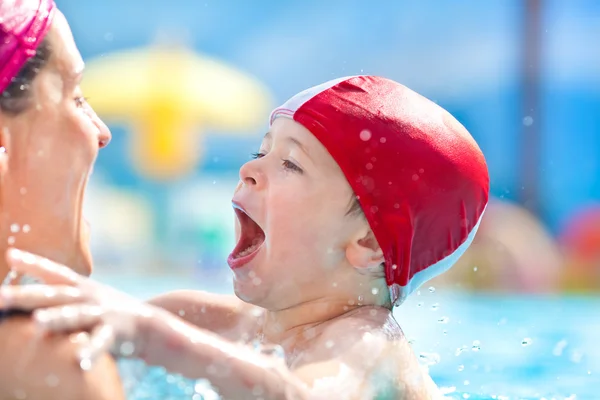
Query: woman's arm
x,y
35,366
223,314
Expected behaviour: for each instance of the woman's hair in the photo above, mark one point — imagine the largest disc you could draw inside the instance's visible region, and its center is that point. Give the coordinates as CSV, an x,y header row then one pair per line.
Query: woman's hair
x,y
16,98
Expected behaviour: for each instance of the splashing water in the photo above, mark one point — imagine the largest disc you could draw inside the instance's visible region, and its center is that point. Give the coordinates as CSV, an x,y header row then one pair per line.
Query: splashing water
x,y
365,135
526,342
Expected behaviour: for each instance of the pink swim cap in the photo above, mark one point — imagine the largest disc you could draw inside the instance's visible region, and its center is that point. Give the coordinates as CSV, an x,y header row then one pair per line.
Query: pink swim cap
x,y
419,176
23,25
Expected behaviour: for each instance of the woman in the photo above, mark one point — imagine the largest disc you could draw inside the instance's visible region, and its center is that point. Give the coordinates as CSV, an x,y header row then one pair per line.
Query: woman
x,y
361,191
49,139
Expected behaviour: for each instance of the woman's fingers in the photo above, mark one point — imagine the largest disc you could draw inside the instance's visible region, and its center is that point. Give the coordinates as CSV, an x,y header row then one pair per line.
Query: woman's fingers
x,y
32,297
42,268
69,318
101,341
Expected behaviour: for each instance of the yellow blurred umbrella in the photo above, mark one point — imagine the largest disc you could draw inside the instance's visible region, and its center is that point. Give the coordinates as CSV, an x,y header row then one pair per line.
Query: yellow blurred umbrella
x,y
170,95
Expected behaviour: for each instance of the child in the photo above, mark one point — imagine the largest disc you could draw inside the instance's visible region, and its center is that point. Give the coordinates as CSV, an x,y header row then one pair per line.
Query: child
x,y
361,191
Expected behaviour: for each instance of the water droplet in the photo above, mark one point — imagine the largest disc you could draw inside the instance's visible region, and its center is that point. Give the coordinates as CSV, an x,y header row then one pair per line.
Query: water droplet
x,y
435,306
360,298
11,240
475,269
365,135
256,281
127,348
14,228
351,302
373,312
526,342
252,274
257,312
476,345
394,266
418,292
415,177
26,228
329,344
558,349
85,364
2,149
528,121
382,140
460,350
52,380
461,368
466,383
429,358
431,289
374,290
10,277
576,356
369,166
334,284
466,395
444,320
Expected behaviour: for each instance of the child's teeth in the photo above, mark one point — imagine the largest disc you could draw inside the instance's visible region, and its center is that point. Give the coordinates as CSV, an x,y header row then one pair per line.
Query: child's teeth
x,y
247,251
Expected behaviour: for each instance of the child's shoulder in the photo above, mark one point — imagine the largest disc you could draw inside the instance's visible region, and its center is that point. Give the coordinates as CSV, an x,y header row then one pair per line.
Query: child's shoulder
x,y
374,348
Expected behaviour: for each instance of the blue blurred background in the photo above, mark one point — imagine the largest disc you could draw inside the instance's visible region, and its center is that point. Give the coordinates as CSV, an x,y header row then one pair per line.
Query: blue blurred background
x,y
522,76
187,86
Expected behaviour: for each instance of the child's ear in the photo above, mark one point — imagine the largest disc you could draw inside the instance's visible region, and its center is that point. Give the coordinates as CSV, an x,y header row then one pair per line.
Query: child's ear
x,y
364,251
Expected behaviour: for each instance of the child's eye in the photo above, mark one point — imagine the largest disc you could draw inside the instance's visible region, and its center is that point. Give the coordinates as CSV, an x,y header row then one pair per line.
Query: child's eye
x,y
291,166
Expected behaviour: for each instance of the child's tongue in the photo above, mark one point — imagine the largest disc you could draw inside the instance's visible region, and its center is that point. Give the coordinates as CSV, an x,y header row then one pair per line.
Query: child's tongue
x,y
251,236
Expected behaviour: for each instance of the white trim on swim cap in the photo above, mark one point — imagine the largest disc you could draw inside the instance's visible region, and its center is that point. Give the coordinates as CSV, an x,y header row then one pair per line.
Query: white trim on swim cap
x,y
399,293
292,105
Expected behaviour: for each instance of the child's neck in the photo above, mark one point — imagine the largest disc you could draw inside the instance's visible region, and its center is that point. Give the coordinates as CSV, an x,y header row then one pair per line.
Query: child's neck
x,y
302,321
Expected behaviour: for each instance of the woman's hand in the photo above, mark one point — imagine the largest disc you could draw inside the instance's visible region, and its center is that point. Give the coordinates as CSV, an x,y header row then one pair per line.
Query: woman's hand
x,y
128,327
69,302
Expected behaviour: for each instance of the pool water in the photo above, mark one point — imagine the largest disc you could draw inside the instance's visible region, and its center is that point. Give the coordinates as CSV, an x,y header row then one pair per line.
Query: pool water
x,y
476,347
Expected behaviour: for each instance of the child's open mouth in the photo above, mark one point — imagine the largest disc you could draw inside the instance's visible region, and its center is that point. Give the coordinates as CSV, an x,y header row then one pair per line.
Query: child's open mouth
x,y
251,239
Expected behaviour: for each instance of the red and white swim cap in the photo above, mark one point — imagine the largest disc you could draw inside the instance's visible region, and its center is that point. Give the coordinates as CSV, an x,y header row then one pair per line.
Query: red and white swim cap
x,y
419,176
